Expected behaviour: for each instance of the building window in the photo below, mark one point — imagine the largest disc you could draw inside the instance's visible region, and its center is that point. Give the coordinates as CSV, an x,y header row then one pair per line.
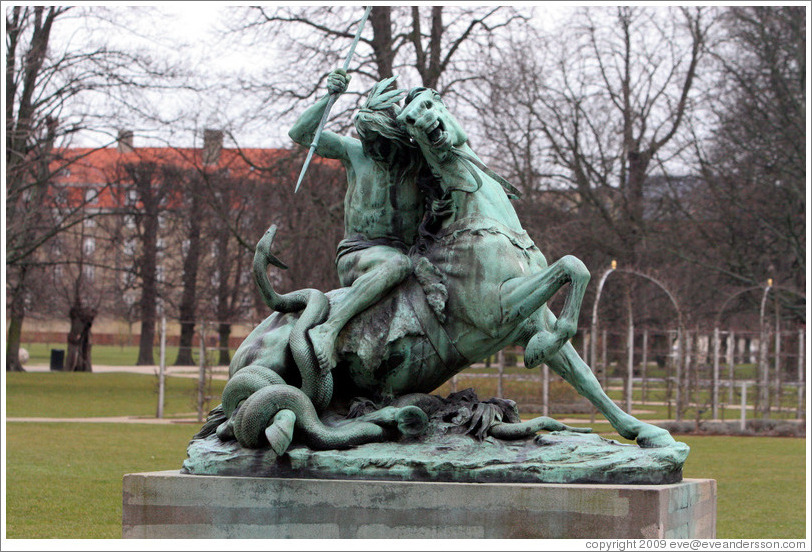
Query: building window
x,y
90,195
159,274
127,279
61,197
58,272
184,247
90,222
129,247
89,272
132,197
89,246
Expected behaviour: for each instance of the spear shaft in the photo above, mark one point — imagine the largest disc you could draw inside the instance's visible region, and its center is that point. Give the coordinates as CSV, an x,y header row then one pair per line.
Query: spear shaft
x,y
331,100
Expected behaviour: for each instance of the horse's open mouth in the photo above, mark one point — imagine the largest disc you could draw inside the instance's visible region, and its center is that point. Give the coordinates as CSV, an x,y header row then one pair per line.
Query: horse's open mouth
x,y
437,134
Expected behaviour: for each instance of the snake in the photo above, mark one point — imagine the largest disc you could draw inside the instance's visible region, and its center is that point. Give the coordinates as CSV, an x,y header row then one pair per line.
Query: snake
x,y
317,386
315,307
261,411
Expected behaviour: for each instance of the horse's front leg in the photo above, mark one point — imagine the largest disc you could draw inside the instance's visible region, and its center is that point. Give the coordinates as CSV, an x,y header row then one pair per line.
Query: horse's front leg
x,y
521,297
567,364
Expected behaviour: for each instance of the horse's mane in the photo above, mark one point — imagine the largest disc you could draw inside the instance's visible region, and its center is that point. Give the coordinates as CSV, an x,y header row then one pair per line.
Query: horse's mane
x,y
438,204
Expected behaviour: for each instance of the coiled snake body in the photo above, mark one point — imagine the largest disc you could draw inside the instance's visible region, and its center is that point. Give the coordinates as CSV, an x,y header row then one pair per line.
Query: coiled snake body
x,y
317,387
257,401
314,306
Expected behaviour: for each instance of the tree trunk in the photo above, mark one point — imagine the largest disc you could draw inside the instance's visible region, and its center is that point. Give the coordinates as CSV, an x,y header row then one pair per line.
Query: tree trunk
x,y
381,20
149,294
148,315
15,326
223,307
224,333
191,263
79,343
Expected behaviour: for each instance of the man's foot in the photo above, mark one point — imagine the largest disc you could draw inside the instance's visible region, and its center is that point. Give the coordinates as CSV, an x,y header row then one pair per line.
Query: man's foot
x,y
324,345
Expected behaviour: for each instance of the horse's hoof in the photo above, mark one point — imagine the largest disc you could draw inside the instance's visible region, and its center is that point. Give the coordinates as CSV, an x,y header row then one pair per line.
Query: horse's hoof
x,y
280,432
652,437
411,420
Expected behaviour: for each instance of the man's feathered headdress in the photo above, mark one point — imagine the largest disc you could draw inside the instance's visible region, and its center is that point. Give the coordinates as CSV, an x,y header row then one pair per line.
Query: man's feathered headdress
x,y
380,99
379,113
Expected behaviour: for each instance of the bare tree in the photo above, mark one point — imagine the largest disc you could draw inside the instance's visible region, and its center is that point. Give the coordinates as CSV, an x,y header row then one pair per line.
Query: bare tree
x,y
256,190
749,213
151,185
53,93
584,125
435,46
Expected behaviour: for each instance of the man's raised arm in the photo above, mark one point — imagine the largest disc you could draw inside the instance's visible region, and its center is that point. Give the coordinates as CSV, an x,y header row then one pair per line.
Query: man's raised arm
x,y
330,144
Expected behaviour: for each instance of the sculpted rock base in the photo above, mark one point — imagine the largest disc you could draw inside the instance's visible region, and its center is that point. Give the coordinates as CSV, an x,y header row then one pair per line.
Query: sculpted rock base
x,y
556,457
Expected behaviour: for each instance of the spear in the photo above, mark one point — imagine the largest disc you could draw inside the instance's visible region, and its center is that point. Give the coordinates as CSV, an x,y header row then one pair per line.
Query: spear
x,y
332,99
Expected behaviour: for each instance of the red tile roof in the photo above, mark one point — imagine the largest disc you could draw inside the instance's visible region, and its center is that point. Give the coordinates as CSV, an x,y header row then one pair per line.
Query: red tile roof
x,y
78,170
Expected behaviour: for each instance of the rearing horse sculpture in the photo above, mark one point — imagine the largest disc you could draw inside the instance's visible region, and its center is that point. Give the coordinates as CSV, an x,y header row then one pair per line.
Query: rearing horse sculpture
x,y
480,284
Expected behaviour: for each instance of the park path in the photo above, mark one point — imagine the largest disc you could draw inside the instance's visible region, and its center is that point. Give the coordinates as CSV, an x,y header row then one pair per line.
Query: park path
x,y
218,372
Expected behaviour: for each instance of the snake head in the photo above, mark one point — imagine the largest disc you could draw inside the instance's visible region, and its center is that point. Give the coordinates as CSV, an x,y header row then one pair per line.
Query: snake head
x,y
263,249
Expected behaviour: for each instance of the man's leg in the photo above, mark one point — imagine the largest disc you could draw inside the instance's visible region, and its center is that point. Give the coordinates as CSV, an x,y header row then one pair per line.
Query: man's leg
x,y
372,272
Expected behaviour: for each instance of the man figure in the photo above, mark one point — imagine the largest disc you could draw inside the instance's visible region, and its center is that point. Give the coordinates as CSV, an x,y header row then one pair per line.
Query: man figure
x,y
382,208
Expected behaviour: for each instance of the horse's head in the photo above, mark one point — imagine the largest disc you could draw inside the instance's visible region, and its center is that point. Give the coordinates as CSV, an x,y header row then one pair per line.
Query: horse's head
x,y
429,123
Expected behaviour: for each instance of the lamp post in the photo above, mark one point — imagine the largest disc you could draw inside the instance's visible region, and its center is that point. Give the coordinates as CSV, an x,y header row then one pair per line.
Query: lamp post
x,y
763,346
593,333
680,333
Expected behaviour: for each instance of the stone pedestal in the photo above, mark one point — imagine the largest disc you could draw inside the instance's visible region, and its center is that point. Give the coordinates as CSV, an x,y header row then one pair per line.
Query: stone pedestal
x,y
173,505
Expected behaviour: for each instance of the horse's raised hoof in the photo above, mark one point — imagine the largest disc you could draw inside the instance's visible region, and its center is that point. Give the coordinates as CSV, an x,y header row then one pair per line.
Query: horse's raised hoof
x,y
411,420
280,432
651,436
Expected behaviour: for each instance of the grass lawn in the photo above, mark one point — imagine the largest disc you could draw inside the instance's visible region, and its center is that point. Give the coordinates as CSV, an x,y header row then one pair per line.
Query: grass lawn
x,y
107,355
82,394
64,479
761,482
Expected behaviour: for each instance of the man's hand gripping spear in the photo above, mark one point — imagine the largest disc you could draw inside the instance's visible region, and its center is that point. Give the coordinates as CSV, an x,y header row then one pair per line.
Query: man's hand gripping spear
x,y
333,96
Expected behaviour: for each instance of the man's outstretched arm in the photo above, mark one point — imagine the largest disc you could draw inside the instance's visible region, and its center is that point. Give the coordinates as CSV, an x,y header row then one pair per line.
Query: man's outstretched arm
x,y
331,144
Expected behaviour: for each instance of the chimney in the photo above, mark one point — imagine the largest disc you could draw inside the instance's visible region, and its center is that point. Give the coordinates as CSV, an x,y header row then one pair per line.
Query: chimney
x,y
212,145
125,141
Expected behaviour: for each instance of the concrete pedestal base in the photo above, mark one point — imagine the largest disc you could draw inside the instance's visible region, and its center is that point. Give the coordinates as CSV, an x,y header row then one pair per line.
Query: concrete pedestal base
x,y
172,505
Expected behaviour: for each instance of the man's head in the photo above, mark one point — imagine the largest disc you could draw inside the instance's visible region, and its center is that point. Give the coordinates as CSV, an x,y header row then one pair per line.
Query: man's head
x,y
376,121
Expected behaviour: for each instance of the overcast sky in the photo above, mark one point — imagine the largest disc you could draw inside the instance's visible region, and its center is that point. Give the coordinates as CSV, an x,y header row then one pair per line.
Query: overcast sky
x,y
192,32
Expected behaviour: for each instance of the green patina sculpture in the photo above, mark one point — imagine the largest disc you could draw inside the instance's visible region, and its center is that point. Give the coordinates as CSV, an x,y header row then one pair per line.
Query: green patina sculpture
x,y
438,273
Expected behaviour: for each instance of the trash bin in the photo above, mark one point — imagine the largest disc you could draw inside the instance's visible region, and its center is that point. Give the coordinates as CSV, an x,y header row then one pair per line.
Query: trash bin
x,y
57,360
